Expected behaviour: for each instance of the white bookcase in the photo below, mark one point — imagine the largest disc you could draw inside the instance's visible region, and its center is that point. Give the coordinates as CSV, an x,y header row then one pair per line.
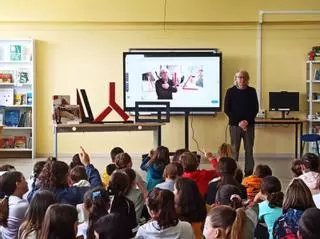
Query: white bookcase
x,y
313,98
17,98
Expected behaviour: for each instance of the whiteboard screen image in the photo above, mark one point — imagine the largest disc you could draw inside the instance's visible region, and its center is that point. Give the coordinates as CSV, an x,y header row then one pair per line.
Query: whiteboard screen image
x,y
190,81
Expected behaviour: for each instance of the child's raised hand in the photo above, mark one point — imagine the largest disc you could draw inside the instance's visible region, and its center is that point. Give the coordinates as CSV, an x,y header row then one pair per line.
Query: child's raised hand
x,y
208,155
84,157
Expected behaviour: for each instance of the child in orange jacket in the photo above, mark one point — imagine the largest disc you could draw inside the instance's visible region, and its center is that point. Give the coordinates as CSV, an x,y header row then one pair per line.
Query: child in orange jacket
x,y
254,181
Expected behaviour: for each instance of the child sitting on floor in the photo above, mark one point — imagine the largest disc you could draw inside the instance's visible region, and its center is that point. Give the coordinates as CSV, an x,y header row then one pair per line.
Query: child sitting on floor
x,y
112,166
253,182
78,177
225,150
154,164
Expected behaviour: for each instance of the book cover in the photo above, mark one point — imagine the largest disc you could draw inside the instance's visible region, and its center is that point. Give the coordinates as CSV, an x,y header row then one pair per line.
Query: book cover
x,y
12,117
29,142
59,101
6,78
15,52
6,96
20,142
23,77
27,121
69,114
23,99
29,98
22,120
7,142
17,99
2,111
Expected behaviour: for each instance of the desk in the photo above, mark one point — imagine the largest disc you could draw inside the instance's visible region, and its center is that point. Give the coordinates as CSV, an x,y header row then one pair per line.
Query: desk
x,y
107,127
297,123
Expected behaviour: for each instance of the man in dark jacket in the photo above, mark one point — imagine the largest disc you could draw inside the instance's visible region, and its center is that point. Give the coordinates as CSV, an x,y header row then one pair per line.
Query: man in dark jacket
x,y
164,87
241,106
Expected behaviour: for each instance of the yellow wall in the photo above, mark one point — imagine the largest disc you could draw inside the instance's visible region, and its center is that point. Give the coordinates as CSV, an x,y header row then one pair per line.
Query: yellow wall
x,y
80,45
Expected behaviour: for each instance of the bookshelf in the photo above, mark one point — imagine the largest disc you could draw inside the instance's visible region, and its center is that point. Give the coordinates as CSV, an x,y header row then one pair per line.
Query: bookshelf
x,y
313,93
17,98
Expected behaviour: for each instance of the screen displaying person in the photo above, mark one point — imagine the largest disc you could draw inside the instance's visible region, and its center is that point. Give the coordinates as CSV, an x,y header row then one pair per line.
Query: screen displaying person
x,y
241,106
165,87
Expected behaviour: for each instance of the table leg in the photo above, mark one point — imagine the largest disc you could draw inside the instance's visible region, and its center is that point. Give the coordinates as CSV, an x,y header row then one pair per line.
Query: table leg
x,y
301,133
55,141
157,137
296,141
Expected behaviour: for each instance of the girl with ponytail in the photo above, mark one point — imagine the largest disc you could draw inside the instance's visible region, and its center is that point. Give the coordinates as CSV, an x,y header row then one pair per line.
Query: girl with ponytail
x,y
225,222
246,219
118,186
96,206
12,206
270,209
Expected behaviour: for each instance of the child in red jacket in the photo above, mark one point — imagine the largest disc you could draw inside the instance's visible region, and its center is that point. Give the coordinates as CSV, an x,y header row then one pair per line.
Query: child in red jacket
x,y
202,177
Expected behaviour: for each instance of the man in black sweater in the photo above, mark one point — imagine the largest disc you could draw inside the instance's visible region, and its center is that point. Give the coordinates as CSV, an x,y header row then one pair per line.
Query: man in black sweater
x,y
164,87
241,106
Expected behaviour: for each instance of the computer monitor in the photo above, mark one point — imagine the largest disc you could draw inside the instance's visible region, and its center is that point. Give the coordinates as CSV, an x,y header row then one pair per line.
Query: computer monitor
x,y
284,101
193,77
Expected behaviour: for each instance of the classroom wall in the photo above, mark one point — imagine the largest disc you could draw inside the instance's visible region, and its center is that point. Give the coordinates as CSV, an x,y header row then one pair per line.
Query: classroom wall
x,y
80,45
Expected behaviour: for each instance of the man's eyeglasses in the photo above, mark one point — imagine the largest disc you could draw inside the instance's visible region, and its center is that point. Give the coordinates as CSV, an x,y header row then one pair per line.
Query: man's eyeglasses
x,y
241,77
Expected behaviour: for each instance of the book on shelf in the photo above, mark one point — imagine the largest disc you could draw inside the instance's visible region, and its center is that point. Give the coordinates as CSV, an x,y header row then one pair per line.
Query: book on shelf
x,y
59,101
16,52
20,99
25,119
316,75
2,112
16,117
12,117
29,142
20,52
22,76
20,142
15,142
6,96
29,98
6,77
7,142
17,99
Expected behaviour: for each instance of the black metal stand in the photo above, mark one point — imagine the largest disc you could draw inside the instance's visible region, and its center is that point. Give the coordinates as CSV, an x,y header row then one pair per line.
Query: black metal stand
x,y
186,130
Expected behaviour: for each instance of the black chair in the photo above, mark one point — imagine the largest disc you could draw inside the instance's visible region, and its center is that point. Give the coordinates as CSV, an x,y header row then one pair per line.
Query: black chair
x,y
310,138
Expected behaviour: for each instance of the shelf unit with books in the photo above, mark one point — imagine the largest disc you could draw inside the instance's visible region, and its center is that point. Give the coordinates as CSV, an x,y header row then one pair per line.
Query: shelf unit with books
x,y
313,93
17,98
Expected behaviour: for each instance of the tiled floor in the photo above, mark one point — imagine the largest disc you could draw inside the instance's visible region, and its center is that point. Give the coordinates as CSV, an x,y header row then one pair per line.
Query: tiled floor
x,y
279,166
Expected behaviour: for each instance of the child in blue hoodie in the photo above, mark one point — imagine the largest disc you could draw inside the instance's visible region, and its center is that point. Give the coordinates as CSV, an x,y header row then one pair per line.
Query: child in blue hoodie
x,y
154,164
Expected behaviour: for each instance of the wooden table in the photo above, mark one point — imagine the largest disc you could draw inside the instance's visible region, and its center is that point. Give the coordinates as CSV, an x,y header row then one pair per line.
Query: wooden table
x,y
106,127
298,129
